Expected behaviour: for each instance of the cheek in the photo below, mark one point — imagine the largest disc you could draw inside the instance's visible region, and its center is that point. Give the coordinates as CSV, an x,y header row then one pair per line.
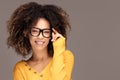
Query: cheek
x,y
48,40
31,40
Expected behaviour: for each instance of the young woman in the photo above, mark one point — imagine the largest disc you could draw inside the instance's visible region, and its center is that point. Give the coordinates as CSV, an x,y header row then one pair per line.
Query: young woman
x,y
40,30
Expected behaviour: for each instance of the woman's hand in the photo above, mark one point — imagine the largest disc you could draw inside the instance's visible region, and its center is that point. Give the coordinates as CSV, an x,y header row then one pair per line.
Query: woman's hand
x,y
55,35
58,42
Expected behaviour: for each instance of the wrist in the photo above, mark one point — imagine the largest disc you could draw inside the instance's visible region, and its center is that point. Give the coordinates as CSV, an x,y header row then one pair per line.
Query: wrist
x,y
59,44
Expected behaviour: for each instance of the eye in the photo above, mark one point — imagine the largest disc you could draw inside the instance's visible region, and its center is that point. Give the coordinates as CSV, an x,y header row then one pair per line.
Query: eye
x,y
46,31
34,30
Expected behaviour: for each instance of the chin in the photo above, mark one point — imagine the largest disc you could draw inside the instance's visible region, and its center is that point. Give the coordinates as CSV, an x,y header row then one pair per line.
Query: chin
x,y
40,47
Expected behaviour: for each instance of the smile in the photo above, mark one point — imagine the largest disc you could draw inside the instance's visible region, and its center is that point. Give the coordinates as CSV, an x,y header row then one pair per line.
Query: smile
x,y
39,42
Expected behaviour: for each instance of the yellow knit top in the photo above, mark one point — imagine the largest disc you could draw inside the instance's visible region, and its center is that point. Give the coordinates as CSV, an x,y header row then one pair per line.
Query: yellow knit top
x,y
59,68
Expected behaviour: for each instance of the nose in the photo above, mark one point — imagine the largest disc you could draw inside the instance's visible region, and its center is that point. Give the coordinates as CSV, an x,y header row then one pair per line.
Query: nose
x,y
40,35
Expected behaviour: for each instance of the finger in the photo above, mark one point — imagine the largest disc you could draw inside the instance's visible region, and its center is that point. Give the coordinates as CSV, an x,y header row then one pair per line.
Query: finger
x,y
53,37
55,31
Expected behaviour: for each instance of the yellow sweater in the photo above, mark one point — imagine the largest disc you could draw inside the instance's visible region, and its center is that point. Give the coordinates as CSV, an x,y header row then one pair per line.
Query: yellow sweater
x,y
59,68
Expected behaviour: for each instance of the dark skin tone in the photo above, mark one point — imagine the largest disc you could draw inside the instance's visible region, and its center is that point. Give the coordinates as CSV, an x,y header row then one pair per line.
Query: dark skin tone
x,y
40,60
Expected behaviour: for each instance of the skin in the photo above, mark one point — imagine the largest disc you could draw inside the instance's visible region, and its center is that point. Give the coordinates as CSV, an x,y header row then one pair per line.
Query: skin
x,y
40,58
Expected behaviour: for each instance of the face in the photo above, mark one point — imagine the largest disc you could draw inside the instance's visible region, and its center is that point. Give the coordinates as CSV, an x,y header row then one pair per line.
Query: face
x,y
40,35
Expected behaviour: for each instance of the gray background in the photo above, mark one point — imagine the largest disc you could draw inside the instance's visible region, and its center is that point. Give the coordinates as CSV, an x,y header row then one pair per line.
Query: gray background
x,y
94,39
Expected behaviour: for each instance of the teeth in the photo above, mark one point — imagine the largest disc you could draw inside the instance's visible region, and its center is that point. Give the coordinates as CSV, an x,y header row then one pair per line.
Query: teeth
x,y
39,42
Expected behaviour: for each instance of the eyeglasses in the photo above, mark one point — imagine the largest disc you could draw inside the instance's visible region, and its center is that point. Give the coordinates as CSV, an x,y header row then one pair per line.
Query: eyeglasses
x,y
45,32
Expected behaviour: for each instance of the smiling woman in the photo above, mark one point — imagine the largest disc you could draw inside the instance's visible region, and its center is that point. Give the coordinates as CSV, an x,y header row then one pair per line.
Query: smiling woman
x,y
40,29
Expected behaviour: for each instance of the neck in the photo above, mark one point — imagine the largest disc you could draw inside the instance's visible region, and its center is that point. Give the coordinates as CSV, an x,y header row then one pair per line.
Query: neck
x,y
40,55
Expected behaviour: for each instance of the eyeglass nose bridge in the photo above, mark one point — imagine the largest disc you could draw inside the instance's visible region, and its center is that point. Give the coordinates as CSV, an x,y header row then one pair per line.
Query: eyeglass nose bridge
x,y
40,30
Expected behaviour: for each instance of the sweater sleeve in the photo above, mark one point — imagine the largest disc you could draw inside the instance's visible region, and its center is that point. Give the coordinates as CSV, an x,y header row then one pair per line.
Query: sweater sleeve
x,y
63,61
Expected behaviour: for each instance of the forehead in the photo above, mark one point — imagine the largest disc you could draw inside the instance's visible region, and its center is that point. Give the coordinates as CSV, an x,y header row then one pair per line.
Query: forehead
x,y
42,23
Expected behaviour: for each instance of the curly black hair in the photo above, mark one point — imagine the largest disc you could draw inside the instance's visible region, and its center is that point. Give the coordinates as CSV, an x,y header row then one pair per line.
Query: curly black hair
x,y
26,16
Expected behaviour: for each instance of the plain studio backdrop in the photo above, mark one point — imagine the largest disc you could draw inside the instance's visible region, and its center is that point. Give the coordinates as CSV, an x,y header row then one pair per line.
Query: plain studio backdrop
x,y
94,38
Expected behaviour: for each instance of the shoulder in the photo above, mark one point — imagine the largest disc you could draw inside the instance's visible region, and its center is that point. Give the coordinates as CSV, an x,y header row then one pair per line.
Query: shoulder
x,y
19,64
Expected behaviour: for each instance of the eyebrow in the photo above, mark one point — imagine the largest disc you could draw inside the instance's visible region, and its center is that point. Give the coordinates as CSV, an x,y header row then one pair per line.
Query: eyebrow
x,y
41,29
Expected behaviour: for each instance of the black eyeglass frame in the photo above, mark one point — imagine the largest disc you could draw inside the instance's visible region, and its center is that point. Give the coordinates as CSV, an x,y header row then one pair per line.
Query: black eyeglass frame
x,y
41,30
